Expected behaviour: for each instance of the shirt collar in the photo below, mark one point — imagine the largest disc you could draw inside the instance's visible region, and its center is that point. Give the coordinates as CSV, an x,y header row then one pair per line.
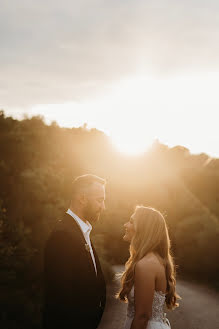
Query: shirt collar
x,y
85,227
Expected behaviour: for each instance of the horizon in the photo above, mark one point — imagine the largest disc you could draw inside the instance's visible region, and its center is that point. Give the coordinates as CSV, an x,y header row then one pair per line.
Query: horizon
x,y
49,121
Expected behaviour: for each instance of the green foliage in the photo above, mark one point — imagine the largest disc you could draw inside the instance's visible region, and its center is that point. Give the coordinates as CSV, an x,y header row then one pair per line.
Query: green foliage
x,y
197,246
16,285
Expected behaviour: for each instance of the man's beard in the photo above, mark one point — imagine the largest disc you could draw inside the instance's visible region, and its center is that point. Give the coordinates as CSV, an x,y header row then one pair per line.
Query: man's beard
x,y
91,215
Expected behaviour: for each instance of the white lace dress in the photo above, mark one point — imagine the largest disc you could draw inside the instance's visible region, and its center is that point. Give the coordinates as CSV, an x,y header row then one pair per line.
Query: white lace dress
x,y
158,319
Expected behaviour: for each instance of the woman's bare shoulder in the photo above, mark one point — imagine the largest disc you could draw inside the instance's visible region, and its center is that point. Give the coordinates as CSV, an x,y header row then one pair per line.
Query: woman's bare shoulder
x,y
148,262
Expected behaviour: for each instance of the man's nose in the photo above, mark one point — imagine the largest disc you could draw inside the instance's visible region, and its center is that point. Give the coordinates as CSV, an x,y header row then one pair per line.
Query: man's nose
x,y
103,206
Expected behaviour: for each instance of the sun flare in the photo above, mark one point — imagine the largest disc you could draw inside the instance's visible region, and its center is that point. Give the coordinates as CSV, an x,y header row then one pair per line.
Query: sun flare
x,y
131,143
136,111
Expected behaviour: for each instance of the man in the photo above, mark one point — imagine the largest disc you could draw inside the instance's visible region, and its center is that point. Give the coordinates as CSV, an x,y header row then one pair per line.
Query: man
x,y
75,290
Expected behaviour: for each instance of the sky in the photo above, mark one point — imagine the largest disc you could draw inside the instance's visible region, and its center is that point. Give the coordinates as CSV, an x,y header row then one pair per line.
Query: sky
x,y
138,70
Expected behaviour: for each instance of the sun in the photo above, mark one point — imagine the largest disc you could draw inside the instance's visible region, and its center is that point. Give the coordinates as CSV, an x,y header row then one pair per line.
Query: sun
x,y
131,119
130,147
131,141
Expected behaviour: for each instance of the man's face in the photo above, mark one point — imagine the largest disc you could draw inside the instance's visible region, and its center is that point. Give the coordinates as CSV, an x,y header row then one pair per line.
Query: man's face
x,y
95,197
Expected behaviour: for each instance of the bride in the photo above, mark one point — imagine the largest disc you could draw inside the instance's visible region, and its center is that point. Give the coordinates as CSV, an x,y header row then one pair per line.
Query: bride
x,y
149,278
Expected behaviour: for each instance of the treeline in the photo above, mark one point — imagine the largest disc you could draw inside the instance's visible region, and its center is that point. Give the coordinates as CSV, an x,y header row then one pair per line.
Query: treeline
x,y
37,165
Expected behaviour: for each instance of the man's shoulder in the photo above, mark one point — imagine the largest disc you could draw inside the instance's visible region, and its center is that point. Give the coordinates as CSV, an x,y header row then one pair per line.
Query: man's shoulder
x,y
60,225
62,228
61,236
66,224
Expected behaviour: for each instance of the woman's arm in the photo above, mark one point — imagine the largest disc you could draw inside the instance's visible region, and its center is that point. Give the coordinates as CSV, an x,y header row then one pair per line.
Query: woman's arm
x,y
145,275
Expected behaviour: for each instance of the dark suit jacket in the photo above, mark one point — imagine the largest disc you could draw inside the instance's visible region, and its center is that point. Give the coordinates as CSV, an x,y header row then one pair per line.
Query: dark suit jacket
x,y
74,295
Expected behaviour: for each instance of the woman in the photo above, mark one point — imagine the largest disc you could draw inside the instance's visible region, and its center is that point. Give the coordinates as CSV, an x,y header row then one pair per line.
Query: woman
x,y
149,278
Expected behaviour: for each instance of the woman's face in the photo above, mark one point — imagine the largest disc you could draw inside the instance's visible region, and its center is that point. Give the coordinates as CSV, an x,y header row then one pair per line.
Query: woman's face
x,y
129,229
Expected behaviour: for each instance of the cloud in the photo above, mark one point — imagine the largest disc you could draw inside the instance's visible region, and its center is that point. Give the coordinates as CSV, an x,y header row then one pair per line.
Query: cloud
x,y
61,51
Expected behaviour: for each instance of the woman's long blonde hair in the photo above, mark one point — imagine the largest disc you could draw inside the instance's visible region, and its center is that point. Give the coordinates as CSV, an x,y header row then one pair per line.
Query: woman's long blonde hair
x,y
151,235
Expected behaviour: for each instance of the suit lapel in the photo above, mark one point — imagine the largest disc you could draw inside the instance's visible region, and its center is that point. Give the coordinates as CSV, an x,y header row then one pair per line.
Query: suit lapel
x,y
73,226
96,259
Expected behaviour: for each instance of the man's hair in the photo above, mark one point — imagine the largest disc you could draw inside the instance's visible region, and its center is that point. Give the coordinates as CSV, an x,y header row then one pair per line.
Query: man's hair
x,y
85,181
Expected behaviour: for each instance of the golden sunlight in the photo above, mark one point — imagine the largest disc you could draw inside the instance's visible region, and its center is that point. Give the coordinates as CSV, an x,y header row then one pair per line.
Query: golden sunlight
x,y
130,142
136,111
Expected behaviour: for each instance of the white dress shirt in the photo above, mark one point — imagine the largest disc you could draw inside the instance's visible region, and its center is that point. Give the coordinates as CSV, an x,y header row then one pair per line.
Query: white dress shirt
x,y
86,229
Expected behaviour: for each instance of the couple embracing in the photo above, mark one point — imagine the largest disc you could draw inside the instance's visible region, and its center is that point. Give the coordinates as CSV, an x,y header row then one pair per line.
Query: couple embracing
x,y
75,290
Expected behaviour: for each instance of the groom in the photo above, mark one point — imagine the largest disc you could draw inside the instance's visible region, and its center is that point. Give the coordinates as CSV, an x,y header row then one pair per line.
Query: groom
x,y
75,290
